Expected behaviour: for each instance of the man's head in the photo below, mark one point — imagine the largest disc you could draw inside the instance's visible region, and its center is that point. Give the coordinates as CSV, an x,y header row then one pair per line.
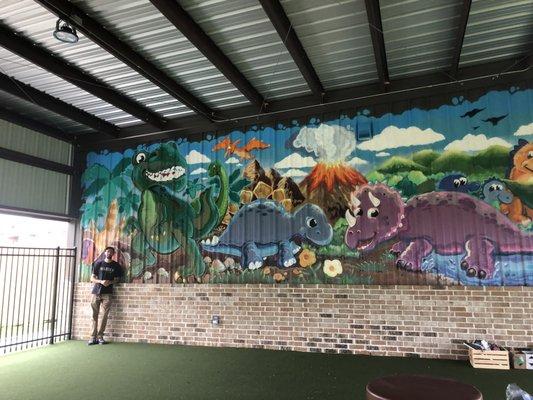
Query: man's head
x,y
109,252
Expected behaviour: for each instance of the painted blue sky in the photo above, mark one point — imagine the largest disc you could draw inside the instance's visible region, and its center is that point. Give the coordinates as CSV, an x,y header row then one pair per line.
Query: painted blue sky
x,y
393,134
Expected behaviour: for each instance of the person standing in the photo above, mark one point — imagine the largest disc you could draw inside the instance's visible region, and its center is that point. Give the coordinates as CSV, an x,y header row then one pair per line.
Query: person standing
x,y
104,274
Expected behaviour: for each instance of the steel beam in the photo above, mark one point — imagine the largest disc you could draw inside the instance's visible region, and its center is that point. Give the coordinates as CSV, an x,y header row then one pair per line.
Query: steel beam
x,y
94,30
23,158
28,93
465,12
192,31
281,22
19,119
373,14
25,48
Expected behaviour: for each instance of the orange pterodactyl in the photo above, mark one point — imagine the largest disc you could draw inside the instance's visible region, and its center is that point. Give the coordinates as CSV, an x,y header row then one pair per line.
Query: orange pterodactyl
x,y
243,152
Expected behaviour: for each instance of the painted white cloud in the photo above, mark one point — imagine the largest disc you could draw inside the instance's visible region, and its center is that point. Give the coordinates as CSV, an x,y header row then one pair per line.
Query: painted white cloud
x,y
195,157
330,143
357,161
393,137
293,173
476,143
232,160
199,171
524,130
382,154
295,160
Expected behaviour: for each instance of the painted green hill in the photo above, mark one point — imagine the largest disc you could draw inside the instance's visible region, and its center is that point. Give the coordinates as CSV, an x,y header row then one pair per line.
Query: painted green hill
x,y
492,157
425,157
453,161
400,164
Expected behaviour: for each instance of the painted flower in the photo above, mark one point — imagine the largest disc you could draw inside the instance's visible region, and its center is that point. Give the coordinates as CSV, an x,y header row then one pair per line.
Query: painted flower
x,y
266,271
332,268
307,258
278,277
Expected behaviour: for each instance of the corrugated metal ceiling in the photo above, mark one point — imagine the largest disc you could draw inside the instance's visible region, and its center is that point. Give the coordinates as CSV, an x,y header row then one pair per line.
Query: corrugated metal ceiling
x,y
419,38
419,35
497,30
244,33
35,112
336,38
142,26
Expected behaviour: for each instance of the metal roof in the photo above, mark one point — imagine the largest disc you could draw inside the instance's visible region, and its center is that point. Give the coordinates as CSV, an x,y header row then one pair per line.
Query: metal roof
x,y
419,38
497,30
419,35
35,112
141,25
244,33
337,42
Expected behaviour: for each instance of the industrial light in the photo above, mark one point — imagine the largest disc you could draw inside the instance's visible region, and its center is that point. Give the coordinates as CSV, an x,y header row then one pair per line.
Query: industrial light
x,y
65,32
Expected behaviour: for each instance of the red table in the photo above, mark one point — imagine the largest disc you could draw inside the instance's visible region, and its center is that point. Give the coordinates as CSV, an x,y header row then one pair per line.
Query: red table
x,y
420,387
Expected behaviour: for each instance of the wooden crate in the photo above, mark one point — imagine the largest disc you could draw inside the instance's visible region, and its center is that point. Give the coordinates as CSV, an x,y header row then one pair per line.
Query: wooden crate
x,y
491,359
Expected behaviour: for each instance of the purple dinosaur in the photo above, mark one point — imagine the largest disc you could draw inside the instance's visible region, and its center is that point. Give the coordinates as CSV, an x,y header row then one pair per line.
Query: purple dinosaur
x,y
448,223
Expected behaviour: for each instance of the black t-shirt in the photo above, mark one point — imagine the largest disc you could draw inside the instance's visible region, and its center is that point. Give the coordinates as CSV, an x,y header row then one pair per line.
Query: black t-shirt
x,y
106,271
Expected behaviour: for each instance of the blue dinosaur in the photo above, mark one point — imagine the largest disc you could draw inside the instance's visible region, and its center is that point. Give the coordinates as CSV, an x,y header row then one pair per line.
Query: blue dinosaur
x,y
457,183
263,228
495,192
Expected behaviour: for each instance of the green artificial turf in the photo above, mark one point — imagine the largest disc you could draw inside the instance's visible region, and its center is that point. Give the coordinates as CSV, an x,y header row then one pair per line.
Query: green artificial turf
x,y
72,370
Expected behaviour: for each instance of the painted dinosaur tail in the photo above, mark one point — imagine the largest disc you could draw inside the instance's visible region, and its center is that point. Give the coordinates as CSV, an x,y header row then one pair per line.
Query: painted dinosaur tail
x,y
207,215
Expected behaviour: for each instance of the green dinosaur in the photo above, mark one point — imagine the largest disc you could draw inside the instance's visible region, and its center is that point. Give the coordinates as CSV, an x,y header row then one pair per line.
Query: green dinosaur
x,y
166,220
216,169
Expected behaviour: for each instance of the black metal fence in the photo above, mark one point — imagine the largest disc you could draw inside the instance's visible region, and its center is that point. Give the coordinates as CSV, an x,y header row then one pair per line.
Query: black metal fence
x,y
36,296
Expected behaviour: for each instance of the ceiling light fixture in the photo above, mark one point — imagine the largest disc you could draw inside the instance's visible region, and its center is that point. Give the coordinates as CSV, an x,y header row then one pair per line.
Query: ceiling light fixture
x,y
65,32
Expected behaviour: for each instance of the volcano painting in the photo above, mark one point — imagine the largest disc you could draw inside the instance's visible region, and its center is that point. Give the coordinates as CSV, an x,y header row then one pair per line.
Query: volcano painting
x,y
329,186
418,196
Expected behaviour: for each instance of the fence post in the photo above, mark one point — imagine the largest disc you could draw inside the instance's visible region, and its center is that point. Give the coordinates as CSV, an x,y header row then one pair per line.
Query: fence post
x,y
72,284
54,298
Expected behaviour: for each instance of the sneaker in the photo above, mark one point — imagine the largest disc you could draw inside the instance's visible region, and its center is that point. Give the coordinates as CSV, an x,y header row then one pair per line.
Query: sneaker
x,y
101,341
91,342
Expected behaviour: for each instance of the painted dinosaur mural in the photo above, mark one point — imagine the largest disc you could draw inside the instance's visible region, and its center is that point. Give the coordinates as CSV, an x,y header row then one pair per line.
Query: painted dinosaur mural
x,y
440,196
166,221
449,223
263,228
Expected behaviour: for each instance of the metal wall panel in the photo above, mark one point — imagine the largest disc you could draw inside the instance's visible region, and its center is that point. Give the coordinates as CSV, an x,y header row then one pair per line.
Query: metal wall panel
x,y
497,30
33,188
26,141
419,35
336,38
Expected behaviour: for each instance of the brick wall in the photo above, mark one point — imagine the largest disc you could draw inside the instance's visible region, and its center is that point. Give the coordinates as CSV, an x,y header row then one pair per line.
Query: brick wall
x,y
417,321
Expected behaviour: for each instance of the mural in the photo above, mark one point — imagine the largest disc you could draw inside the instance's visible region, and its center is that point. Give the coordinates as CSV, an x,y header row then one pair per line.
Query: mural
x,y
422,196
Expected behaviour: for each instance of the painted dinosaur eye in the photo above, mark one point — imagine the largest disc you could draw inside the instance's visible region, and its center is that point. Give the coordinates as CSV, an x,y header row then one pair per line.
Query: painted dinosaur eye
x,y
456,182
372,212
139,158
462,181
492,188
359,211
311,222
530,154
499,187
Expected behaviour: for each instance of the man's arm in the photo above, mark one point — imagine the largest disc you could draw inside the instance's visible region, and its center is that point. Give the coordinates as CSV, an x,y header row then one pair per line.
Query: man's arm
x,y
94,275
94,279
